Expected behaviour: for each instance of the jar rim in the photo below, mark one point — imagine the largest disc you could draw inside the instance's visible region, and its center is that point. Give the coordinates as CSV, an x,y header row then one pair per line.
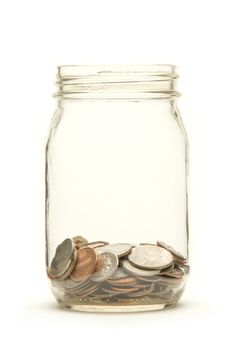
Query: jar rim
x,y
104,69
116,80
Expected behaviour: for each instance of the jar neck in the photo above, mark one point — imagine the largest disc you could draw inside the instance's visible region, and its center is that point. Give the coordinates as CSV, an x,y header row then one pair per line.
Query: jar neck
x,y
127,82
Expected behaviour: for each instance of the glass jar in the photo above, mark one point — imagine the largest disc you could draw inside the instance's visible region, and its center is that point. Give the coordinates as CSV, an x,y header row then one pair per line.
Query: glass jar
x,y
116,189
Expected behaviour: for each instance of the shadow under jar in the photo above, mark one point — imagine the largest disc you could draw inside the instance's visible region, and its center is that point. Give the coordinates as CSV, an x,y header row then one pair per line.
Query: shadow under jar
x,y
116,189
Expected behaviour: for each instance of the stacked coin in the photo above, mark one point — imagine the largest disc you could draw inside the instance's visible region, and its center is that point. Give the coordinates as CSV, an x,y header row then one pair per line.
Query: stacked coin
x,y
63,261
117,272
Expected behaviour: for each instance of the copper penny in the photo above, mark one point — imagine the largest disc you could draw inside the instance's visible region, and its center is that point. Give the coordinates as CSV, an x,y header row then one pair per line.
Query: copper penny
x,y
85,265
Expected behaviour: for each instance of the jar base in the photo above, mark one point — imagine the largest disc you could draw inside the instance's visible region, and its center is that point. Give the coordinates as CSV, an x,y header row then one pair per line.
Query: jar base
x,y
133,305
117,309
163,297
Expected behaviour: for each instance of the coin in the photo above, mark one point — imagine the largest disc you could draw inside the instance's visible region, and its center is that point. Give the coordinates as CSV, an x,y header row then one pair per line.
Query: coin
x,y
87,292
125,289
147,244
175,273
95,244
167,269
150,257
107,264
63,258
91,272
85,265
120,249
70,268
171,250
110,292
151,279
87,289
119,273
79,240
138,271
168,281
123,281
141,292
180,262
186,269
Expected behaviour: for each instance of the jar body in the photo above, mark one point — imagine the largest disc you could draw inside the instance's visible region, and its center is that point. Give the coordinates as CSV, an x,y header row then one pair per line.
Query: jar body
x,y
116,172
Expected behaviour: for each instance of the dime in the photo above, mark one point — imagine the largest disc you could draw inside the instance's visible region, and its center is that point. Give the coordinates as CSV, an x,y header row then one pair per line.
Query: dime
x,y
64,256
150,257
171,250
119,249
107,264
85,265
138,271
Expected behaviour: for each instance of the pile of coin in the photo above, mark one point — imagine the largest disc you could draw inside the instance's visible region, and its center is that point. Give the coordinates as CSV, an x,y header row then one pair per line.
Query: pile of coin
x,y
101,272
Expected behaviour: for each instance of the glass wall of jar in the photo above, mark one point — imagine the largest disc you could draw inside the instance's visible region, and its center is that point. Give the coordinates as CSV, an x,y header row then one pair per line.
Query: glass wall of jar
x,y
116,189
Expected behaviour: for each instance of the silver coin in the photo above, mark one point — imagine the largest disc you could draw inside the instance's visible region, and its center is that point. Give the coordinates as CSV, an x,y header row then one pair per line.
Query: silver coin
x,y
171,250
167,269
107,264
152,279
95,244
141,292
147,244
111,292
164,280
125,289
175,273
64,256
119,273
150,257
186,269
66,284
138,271
69,269
119,249
84,292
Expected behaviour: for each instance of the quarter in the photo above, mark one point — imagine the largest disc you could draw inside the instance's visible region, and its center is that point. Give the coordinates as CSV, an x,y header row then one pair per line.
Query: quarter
x,y
107,264
150,257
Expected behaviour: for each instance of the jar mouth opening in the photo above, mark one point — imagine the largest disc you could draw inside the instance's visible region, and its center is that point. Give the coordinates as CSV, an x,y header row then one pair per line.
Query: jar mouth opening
x,y
88,70
74,80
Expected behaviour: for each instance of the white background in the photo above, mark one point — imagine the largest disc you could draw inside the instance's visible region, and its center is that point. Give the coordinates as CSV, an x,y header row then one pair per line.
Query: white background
x,y
36,36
